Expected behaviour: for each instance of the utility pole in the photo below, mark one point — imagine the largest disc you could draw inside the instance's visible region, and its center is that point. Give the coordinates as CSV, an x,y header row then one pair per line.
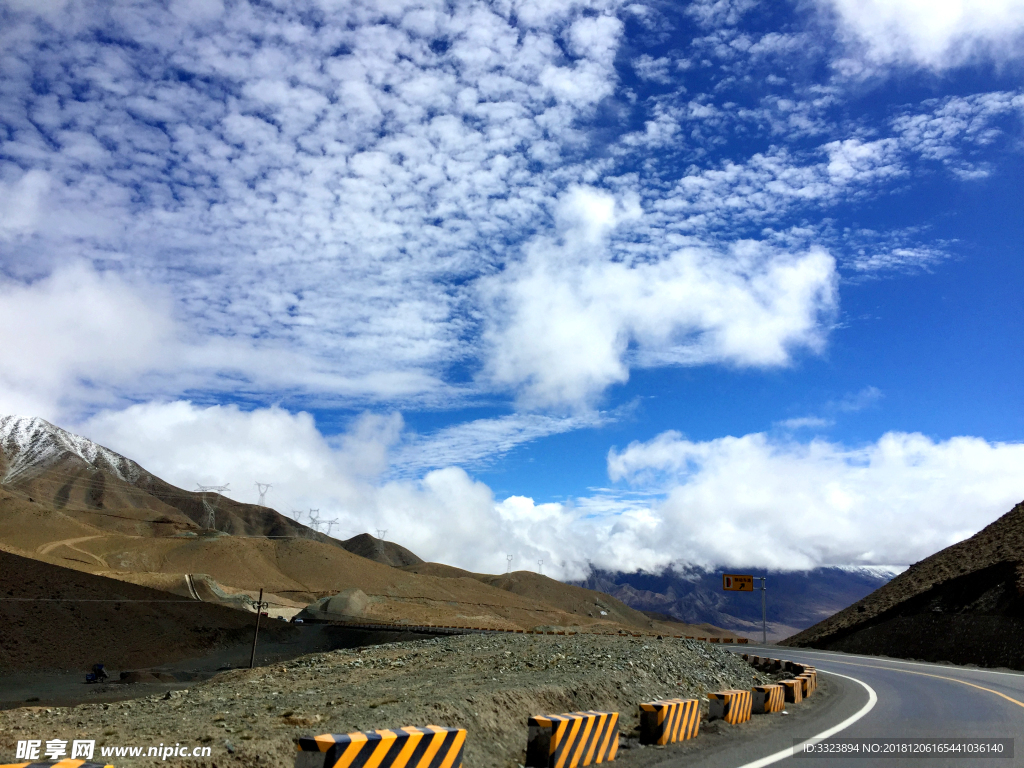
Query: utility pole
x,y
764,611
509,568
211,509
259,612
263,488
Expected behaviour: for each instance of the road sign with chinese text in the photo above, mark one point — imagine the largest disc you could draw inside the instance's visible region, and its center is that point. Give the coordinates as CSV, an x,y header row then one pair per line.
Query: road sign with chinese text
x,y
737,583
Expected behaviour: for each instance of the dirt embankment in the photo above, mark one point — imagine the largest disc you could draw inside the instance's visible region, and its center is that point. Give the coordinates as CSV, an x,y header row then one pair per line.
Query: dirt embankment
x,y
56,618
964,604
486,684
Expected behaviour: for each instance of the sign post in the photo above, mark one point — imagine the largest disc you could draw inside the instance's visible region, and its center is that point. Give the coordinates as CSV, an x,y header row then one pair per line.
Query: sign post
x,y
734,582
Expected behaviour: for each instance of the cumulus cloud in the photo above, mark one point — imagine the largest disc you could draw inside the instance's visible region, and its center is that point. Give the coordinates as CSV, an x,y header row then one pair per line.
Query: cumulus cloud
x,y
570,319
74,330
937,35
779,504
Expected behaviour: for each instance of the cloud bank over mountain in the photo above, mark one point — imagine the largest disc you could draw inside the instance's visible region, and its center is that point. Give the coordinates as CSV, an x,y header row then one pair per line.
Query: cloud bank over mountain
x,y
735,501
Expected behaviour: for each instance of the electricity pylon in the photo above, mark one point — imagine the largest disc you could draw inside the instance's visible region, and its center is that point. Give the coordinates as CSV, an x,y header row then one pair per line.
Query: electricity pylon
x,y
314,519
381,533
540,566
509,568
211,509
330,525
263,488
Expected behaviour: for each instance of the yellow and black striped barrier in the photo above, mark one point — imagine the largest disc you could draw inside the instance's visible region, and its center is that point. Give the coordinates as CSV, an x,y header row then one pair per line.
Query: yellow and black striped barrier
x,y
669,721
429,747
66,763
731,706
766,699
794,690
574,739
810,682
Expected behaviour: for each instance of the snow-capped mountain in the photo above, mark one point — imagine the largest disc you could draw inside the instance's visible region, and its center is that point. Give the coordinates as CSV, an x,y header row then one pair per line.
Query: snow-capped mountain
x,y
49,466
30,445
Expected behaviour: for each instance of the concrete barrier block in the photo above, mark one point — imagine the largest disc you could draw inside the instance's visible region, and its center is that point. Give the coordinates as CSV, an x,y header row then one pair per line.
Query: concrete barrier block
x,y
732,706
669,720
409,747
794,690
766,699
573,739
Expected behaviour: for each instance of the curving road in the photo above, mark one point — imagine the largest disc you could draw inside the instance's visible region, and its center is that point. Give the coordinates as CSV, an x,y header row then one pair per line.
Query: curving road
x,y
882,698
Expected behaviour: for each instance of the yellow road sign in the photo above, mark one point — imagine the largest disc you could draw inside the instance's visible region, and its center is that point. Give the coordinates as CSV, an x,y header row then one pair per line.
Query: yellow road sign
x,y
737,583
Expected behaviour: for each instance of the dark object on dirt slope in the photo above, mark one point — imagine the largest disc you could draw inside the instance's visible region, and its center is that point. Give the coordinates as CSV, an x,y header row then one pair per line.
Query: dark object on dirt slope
x,y
964,604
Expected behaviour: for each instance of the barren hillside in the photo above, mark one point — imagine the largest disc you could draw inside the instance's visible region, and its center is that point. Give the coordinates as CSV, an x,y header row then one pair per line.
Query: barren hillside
x,y
963,604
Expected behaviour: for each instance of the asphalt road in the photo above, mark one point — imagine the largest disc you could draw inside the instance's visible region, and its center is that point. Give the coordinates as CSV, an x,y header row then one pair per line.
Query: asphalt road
x,y
880,698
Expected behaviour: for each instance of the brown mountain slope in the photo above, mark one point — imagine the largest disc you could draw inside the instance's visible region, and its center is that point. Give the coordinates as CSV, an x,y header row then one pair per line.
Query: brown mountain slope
x,y
963,604
380,551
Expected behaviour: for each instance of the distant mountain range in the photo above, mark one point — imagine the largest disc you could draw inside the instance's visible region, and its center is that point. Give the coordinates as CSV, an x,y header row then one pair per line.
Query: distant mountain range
x,y
795,599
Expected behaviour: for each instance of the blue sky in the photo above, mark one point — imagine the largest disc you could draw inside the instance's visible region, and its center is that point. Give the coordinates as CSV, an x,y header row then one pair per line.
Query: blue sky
x,y
630,284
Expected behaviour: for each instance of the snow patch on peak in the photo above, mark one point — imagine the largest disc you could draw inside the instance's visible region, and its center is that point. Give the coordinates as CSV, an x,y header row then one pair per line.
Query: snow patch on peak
x,y
32,444
877,571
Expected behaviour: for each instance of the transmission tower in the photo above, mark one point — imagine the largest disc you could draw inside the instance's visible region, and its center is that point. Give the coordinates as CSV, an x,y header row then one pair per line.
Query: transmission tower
x,y
263,488
509,568
381,533
540,566
211,509
330,524
314,519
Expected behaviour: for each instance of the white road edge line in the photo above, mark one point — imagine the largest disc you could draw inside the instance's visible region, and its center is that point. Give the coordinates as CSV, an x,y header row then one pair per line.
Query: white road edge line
x,y
790,751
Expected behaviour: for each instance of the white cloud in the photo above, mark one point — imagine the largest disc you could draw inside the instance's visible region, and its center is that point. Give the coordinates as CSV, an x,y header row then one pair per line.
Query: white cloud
x,y
653,69
568,321
78,330
21,202
931,34
477,443
806,422
754,501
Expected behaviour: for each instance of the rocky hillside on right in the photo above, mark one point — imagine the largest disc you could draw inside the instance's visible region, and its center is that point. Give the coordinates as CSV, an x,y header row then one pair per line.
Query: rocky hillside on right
x,y
964,604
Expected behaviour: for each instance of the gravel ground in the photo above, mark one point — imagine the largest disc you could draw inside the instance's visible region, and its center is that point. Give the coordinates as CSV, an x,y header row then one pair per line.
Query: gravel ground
x,y
486,684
